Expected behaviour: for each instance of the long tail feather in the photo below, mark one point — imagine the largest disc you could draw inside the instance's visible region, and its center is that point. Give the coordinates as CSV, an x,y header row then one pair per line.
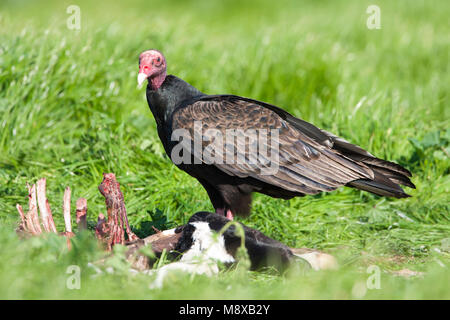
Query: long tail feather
x,y
388,177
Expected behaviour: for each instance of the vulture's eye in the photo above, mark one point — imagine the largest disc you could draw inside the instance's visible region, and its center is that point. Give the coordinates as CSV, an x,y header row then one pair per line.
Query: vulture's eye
x,y
158,60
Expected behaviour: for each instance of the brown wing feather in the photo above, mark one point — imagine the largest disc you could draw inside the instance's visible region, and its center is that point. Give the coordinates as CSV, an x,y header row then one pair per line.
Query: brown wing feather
x,y
305,165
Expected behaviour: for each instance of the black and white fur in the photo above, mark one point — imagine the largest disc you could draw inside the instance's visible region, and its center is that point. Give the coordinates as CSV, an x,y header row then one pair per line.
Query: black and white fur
x,y
202,249
262,250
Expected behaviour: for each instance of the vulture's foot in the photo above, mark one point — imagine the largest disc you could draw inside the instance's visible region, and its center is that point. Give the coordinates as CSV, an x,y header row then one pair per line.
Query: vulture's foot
x,y
228,214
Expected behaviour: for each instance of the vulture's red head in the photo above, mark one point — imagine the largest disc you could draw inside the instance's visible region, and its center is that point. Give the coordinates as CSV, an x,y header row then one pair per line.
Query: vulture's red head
x,y
152,66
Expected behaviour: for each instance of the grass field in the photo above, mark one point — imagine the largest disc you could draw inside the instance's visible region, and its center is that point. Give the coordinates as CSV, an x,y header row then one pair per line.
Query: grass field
x,y
70,110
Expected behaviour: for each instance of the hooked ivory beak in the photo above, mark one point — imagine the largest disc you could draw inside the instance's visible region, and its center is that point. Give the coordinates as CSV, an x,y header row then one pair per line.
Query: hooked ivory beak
x,y
141,78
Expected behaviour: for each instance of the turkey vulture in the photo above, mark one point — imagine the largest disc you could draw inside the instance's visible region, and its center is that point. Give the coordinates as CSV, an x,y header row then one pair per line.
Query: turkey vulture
x,y
306,159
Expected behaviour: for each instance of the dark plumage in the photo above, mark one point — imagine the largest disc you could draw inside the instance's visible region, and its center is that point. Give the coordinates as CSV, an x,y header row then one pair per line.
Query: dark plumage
x,y
310,160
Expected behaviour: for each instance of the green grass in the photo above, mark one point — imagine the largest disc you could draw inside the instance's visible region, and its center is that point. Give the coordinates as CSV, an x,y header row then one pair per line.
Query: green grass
x,y
70,110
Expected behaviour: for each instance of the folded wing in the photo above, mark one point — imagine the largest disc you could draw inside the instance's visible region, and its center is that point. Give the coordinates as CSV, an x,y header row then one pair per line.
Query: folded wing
x,y
247,138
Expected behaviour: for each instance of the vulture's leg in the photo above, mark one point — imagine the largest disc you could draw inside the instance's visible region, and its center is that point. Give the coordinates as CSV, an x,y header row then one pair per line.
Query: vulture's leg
x,y
226,213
